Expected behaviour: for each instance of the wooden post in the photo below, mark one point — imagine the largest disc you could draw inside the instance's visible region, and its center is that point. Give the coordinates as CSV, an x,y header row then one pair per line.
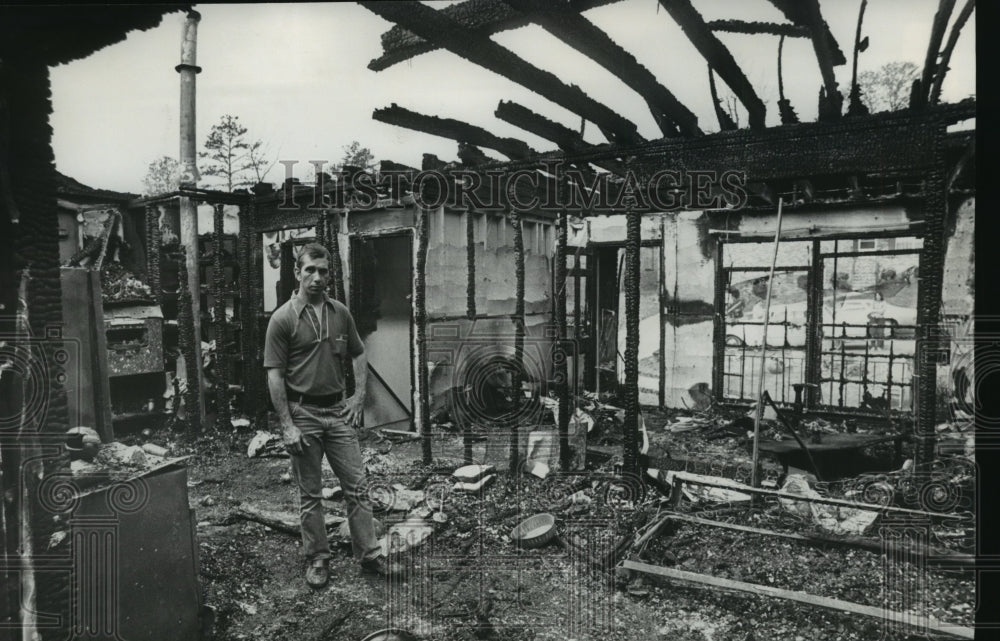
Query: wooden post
x,y
559,353
515,221
219,291
420,323
631,427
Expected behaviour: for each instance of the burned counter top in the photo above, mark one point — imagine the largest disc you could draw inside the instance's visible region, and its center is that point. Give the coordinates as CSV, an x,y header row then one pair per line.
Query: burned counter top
x,y
134,338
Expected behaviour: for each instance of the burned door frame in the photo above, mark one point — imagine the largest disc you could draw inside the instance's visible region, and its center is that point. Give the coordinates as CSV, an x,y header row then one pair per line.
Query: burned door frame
x,y
591,361
410,235
814,350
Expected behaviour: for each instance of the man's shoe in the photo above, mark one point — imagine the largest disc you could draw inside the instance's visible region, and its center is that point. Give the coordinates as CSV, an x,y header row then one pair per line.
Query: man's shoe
x,y
318,573
381,565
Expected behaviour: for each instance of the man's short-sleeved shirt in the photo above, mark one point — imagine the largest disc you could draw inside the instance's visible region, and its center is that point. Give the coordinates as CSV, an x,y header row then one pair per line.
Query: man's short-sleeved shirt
x,y
310,351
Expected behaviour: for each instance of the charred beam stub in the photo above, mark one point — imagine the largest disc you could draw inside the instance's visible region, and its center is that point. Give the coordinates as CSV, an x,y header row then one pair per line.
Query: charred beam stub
x,y
445,32
671,116
855,106
828,54
454,130
718,57
480,17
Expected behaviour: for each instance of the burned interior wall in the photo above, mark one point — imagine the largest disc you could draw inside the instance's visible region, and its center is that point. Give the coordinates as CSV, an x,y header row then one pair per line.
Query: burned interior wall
x,y
454,338
383,243
690,244
956,372
447,264
689,295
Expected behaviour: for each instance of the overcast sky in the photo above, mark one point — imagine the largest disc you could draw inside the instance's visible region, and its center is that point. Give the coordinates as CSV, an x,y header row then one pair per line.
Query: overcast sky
x,y
297,77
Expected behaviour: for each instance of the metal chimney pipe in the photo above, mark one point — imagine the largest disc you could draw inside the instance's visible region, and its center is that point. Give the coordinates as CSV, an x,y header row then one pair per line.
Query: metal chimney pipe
x,y
189,70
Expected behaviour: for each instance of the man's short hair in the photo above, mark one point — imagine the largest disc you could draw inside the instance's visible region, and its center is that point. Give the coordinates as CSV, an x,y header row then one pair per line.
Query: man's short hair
x,y
314,251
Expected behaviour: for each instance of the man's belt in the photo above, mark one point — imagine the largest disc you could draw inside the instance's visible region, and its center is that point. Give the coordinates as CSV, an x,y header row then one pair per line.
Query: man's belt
x,y
327,400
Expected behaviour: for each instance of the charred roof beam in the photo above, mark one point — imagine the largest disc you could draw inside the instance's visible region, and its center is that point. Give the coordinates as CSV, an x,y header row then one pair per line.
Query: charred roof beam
x,y
718,57
568,25
481,17
567,139
772,28
445,32
798,13
457,130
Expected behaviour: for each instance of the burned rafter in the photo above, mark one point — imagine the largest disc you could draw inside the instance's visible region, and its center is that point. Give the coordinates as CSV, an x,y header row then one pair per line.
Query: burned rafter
x,y
567,139
941,17
828,55
480,17
798,14
718,57
472,156
785,109
856,107
772,28
453,129
445,32
945,58
577,31
726,122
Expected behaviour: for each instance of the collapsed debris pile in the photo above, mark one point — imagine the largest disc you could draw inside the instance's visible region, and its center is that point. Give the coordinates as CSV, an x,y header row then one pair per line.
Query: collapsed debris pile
x,y
815,573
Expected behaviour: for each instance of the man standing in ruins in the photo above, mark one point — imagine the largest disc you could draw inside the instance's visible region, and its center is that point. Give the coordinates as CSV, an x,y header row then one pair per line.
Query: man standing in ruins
x,y
307,339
